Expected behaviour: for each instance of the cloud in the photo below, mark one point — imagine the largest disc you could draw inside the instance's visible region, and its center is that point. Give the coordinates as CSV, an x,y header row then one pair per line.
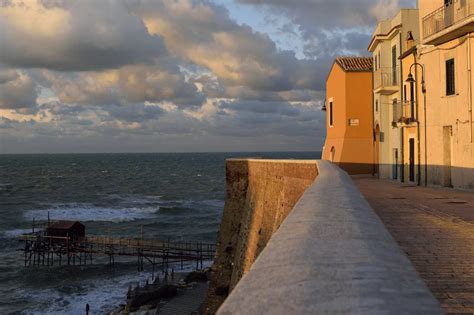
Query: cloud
x,y
314,15
128,84
204,34
73,35
331,28
17,90
168,75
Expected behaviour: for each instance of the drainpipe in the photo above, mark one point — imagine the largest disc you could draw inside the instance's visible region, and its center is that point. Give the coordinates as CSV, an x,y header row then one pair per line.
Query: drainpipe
x,y
417,121
426,137
469,80
374,138
402,151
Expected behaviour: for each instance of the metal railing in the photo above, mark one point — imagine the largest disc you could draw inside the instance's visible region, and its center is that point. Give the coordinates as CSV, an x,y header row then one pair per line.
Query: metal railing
x,y
386,76
447,16
403,113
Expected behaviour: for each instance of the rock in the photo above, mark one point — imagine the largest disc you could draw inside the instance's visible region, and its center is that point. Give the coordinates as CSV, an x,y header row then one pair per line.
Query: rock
x,y
196,276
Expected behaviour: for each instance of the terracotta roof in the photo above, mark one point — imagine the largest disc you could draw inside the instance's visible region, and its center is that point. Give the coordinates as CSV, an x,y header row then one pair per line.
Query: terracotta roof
x,y
62,225
355,64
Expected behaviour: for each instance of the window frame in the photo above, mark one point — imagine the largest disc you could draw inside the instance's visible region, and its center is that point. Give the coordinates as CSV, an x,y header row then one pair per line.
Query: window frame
x,y
450,76
331,113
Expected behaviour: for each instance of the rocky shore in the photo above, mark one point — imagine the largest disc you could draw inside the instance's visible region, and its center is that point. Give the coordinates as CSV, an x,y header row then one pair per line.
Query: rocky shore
x,y
170,294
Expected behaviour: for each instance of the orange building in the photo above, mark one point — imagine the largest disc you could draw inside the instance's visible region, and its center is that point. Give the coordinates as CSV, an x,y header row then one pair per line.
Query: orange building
x,y
349,121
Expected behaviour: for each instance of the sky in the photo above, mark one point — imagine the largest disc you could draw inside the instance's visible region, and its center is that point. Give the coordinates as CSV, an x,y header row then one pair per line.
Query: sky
x,y
173,75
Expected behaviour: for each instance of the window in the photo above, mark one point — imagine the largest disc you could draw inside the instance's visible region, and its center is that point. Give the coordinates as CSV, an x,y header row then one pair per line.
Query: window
x,y
331,114
377,105
450,77
394,65
375,63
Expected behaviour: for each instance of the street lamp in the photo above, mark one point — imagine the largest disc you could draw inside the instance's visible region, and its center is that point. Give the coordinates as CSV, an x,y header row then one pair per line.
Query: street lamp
x,y
412,81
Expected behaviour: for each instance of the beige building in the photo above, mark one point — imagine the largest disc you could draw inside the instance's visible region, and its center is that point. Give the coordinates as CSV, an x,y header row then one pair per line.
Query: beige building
x,y
447,53
388,42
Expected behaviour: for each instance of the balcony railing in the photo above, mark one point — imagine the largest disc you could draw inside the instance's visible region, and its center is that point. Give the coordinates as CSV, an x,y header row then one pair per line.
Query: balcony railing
x,y
386,77
447,16
403,113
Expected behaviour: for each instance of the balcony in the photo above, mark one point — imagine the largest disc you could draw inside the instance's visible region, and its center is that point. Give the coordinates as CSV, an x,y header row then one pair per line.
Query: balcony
x,y
403,114
449,22
387,80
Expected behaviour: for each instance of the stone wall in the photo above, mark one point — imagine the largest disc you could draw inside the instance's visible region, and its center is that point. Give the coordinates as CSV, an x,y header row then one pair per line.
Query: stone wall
x,y
332,255
260,194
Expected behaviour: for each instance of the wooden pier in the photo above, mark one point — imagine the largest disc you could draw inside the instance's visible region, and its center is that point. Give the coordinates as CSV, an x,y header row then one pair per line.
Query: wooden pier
x,y
48,247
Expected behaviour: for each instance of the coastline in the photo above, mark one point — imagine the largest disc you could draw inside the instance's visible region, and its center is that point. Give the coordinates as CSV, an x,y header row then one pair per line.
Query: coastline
x,y
177,293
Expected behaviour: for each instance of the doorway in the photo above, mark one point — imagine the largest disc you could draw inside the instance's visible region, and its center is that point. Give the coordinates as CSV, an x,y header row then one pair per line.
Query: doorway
x,y
395,164
447,155
411,169
376,149
333,154
448,13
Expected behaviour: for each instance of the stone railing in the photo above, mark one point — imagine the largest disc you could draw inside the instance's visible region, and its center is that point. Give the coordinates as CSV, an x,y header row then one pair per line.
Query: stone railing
x,y
331,254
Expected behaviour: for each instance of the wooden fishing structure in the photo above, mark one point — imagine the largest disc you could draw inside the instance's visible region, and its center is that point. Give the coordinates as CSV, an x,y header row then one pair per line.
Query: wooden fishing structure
x,y
65,243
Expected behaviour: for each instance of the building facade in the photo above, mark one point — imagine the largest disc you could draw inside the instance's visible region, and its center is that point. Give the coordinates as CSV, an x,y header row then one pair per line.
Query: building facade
x,y
349,140
447,53
388,43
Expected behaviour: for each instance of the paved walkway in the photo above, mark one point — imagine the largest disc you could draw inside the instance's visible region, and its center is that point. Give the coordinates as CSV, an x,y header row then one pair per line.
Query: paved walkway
x,y
435,227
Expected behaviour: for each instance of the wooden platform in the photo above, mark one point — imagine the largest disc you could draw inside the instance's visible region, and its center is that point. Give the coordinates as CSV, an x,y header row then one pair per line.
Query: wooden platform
x,y
43,250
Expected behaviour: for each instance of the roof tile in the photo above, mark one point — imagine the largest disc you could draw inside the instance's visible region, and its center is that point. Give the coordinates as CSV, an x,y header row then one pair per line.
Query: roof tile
x,y
354,64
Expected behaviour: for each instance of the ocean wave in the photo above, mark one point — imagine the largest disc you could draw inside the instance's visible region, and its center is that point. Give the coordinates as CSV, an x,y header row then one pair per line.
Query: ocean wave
x,y
195,204
88,212
123,208
15,233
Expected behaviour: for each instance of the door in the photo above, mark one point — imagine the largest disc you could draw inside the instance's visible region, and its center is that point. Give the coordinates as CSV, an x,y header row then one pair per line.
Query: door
x,y
377,148
447,155
411,159
448,13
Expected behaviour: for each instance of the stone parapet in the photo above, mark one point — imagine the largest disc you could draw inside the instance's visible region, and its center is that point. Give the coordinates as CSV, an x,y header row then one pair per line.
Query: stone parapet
x,y
332,254
260,194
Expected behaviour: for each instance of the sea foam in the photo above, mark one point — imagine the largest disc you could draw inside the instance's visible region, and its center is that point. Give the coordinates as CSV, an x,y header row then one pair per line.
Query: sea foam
x,y
88,212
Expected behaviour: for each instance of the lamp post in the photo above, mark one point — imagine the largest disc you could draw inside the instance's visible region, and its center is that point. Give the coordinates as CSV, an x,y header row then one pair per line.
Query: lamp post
x,y
412,81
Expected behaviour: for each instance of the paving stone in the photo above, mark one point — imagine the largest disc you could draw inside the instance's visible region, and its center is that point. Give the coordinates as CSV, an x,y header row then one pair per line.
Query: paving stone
x,y
436,235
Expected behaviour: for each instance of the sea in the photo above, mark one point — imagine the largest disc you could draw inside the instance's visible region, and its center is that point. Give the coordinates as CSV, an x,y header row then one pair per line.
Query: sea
x,y
175,196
